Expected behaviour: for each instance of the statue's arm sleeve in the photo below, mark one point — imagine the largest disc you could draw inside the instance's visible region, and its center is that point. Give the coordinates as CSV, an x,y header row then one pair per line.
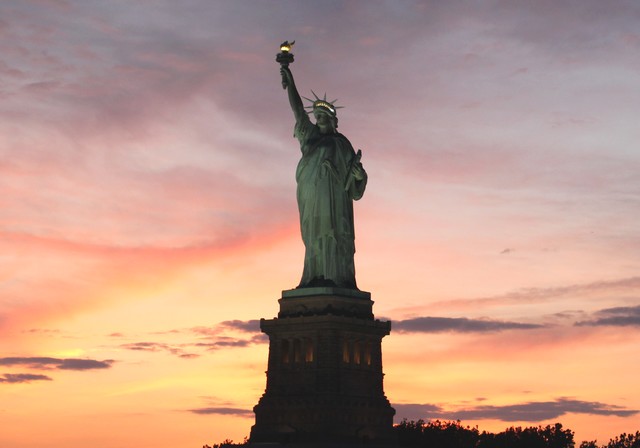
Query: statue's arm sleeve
x,y
357,187
303,131
356,191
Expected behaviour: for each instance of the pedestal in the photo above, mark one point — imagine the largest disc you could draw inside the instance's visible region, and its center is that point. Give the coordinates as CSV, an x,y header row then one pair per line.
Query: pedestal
x,y
324,377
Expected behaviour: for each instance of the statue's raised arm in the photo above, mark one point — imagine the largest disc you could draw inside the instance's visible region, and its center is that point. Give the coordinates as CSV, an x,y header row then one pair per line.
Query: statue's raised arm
x,y
294,97
329,177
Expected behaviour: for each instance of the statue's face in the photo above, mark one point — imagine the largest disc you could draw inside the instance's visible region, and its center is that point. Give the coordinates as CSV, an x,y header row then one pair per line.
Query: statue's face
x,y
324,123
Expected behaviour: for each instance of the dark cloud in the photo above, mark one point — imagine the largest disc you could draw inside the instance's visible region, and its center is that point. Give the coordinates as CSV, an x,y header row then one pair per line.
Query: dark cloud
x,y
231,343
414,411
84,364
57,363
228,342
260,339
246,326
249,326
223,411
525,412
14,378
460,325
146,346
615,317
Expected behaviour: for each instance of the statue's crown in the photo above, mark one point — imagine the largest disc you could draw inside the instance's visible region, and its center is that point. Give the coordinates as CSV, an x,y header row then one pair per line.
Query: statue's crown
x,y
328,107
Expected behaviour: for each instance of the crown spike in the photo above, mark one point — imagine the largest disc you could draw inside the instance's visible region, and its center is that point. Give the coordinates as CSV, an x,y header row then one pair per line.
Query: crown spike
x,y
321,104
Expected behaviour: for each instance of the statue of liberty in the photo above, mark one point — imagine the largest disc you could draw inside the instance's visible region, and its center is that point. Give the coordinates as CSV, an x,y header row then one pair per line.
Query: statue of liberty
x,y
329,177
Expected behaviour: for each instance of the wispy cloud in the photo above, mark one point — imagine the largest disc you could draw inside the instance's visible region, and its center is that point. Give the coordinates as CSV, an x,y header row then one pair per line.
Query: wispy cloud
x,y
524,412
210,338
537,295
458,325
43,331
57,363
222,411
176,350
14,378
216,337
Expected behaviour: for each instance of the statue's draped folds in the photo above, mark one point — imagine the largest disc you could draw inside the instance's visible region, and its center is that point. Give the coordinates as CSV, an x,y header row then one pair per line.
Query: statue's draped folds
x,y
325,196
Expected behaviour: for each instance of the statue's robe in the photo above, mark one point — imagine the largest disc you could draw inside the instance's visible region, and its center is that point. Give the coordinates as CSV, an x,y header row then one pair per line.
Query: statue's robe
x,y
326,206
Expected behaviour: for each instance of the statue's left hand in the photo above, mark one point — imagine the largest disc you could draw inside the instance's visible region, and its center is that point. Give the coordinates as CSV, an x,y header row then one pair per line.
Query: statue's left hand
x,y
357,171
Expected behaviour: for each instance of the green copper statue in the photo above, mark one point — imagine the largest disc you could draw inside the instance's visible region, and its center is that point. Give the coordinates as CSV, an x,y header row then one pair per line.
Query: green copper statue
x,y
330,177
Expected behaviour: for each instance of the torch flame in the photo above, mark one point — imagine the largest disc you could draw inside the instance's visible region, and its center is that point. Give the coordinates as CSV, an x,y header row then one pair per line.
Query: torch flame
x,y
285,46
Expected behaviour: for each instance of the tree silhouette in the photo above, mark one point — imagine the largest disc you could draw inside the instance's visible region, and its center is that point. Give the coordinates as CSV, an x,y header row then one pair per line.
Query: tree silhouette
x,y
589,444
532,437
436,433
455,435
227,443
625,441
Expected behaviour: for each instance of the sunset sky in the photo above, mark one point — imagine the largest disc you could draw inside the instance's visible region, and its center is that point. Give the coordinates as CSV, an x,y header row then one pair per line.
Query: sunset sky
x,y
148,216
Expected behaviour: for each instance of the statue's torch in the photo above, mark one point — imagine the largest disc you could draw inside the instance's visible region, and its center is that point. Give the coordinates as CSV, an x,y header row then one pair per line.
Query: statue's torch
x,y
285,57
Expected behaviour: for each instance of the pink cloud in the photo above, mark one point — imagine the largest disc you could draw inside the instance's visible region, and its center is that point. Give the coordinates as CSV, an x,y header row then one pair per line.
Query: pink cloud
x,y
616,288
142,144
46,279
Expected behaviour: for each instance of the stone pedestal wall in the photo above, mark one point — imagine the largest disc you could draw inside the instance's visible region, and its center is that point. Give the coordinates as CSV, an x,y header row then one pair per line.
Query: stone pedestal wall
x,y
324,376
